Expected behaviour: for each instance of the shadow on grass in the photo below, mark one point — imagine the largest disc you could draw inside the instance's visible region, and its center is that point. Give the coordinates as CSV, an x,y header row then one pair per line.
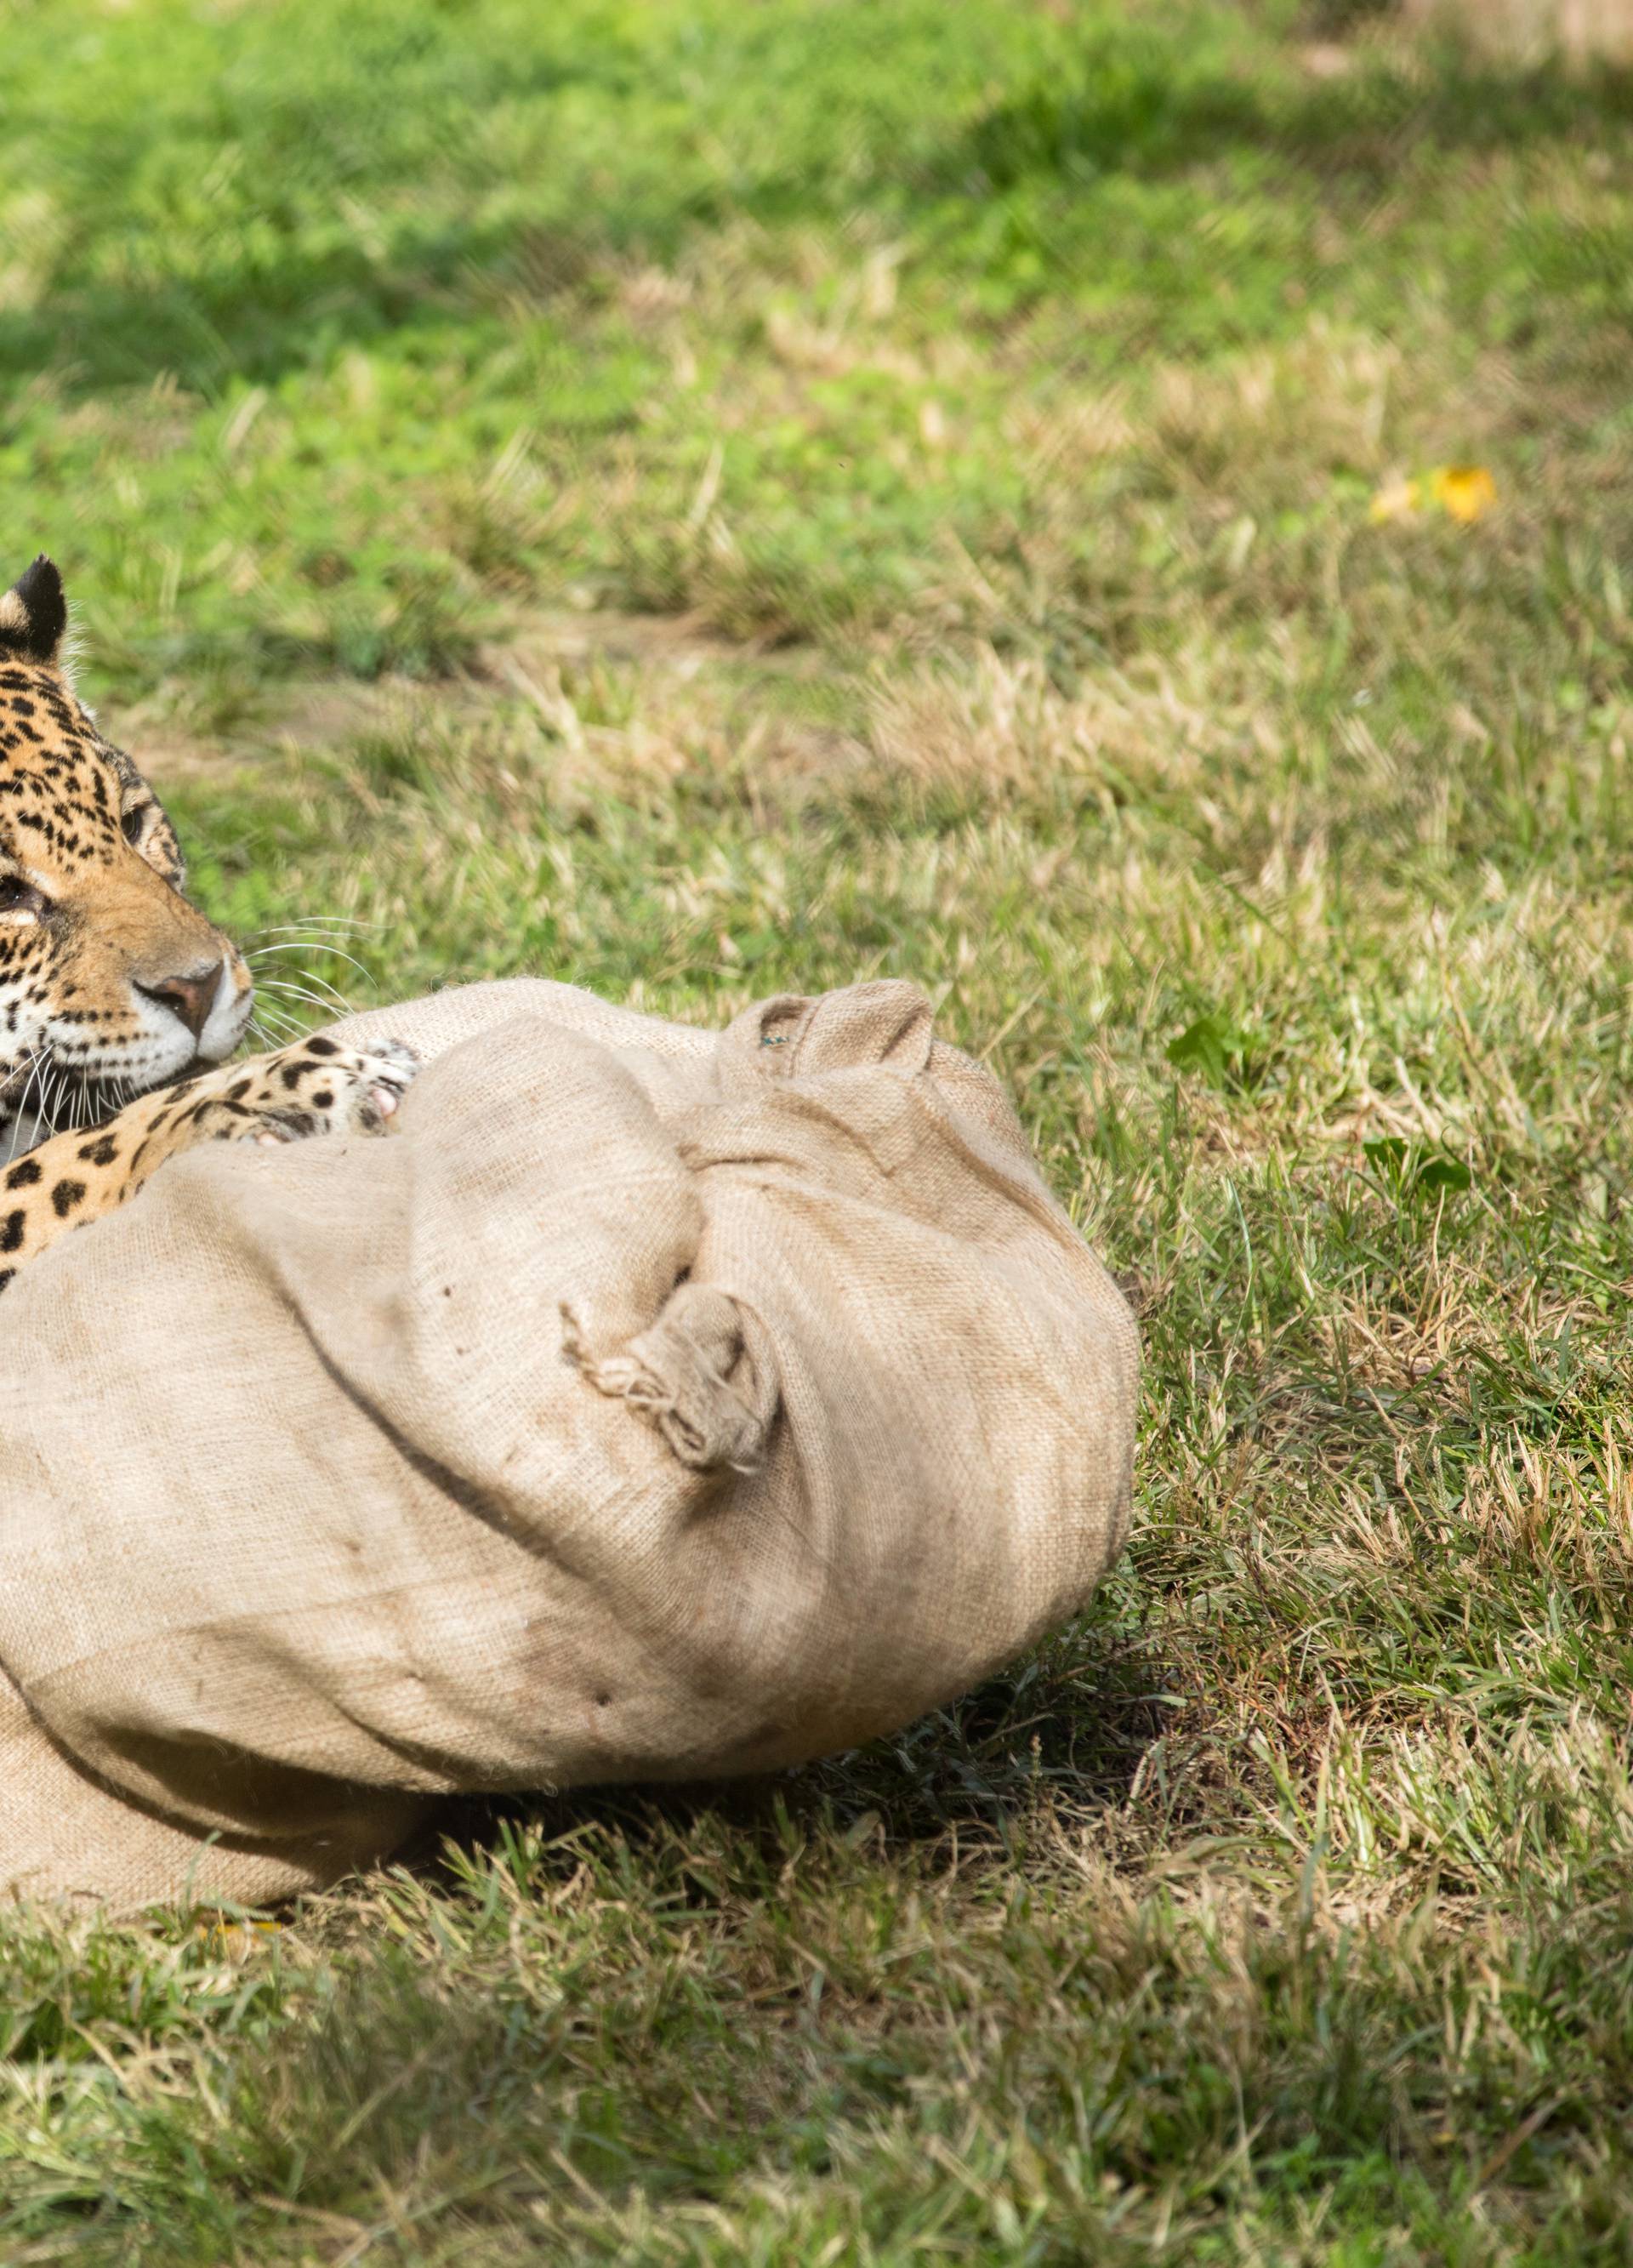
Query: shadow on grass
x,y
1132,112
255,320
256,300
1063,1722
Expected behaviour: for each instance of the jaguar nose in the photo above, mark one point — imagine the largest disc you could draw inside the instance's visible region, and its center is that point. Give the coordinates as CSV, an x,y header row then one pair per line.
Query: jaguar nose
x,y
190,995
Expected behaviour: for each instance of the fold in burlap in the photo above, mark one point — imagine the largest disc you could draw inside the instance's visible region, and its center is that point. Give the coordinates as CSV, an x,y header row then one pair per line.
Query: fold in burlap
x,y
651,1404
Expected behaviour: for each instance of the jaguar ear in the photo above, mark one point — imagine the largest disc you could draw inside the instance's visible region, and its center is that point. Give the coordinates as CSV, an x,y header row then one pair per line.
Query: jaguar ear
x,y
33,614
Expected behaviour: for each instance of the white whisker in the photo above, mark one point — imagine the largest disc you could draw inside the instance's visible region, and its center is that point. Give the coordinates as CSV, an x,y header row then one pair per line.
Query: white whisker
x,y
336,1002
38,1081
319,936
50,1088
42,1072
321,921
31,1066
322,952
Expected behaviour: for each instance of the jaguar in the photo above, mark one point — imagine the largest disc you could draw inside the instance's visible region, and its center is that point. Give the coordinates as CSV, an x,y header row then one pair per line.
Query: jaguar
x,y
120,1003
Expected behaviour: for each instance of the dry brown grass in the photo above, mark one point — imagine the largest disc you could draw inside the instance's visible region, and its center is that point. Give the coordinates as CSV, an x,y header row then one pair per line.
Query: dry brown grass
x,y
1530,31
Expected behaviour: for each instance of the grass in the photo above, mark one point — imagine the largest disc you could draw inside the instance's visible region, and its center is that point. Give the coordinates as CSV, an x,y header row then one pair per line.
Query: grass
x,y
698,500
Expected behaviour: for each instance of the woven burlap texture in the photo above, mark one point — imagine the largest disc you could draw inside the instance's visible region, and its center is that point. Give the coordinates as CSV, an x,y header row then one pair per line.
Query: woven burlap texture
x,y
651,1404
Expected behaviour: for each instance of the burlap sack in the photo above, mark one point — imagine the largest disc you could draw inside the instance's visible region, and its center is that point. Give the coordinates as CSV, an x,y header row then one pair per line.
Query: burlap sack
x,y
652,1403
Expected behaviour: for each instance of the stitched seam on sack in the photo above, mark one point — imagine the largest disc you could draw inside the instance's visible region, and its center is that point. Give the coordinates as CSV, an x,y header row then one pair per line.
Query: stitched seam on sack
x,y
247,1843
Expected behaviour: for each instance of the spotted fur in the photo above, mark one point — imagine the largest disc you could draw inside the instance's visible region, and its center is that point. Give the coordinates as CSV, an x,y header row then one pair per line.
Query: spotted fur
x,y
120,1002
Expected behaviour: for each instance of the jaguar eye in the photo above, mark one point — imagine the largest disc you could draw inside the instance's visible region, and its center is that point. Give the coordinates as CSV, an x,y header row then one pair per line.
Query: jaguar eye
x,y
17,896
133,823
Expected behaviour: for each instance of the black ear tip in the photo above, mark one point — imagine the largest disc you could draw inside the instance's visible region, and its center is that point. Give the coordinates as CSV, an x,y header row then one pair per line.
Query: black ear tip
x,y
42,607
41,579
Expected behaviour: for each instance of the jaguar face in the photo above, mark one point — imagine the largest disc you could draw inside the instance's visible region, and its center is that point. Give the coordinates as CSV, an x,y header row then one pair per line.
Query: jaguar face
x,y
110,983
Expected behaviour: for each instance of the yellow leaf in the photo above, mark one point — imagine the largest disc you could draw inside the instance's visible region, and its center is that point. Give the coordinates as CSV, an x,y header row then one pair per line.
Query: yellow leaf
x,y
1464,491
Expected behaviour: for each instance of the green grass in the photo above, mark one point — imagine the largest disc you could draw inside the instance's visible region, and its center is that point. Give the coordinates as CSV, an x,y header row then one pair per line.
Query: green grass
x,y
697,500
